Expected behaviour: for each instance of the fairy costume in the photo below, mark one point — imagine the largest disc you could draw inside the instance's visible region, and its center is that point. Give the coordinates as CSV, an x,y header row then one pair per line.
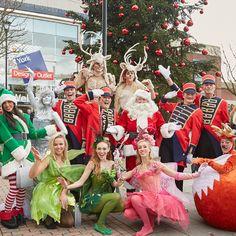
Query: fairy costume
x,y
154,198
45,200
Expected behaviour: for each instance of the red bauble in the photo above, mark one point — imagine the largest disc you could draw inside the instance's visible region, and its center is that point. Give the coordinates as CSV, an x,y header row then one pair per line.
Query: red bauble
x,y
156,72
186,42
125,31
217,202
201,11
176,23
181,64
137,25
150,8
204,51
205,2
147,48
183,1
85,11
115,62
218,74
159,52
190,23
83,26
63,52
135,8
121,15
164,25
71,51
176,5
145,37
154,41
121,8
109,34
202,73
186,28
175,65
183,21
78,59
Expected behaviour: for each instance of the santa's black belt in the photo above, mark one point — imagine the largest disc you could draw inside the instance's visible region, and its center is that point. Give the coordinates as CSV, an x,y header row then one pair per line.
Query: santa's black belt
x,y
133,135
20,136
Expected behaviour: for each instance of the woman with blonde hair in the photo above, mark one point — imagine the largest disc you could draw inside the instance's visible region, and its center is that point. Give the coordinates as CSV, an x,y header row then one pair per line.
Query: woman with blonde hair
x,y
152,202
50,202
99,198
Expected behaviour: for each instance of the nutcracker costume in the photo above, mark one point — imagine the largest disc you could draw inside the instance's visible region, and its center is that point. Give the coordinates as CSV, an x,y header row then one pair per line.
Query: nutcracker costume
x,y
178,142
71,117
18,130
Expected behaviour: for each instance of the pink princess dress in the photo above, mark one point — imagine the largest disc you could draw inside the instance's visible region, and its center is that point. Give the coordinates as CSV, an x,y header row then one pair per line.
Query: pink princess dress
x,y
156,199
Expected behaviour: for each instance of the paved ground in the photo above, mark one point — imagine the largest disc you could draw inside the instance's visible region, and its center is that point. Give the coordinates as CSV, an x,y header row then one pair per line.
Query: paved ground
x,y
118,224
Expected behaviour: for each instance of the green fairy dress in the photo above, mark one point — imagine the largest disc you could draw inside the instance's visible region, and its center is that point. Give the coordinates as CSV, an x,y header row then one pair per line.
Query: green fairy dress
x,y
99,185
46,194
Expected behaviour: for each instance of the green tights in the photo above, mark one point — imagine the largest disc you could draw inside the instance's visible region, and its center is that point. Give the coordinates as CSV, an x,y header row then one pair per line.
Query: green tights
x,y
110,202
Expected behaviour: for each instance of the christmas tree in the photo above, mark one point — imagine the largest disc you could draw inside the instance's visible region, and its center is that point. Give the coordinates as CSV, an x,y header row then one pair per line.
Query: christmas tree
x,y
161,26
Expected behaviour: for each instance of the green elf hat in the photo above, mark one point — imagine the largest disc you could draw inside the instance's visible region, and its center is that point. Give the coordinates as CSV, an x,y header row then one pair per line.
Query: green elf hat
x,y
6,95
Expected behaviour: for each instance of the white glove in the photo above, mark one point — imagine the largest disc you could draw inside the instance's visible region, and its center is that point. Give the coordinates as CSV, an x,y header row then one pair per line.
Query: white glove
x,y
189,158
165,72
173,126
112,130
59,89
170,95
97,93
31,72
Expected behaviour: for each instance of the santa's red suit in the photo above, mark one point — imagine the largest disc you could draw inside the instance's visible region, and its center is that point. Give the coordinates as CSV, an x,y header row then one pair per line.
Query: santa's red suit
x,y
96,119
152,124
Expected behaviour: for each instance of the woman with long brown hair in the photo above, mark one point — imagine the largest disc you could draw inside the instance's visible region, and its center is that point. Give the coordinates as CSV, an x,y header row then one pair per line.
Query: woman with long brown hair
x,y
99,199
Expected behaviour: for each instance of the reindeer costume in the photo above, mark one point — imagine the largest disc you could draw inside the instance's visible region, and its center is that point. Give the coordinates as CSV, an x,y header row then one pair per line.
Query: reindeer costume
x,y
127,86
96,76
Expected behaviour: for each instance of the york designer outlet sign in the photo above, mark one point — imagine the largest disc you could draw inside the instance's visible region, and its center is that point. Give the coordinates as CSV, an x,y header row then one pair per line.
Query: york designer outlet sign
x,y
36,63
42,75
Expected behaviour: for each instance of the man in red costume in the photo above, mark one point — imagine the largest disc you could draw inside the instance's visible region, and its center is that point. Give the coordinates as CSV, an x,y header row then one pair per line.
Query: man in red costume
x,y
181,134
71,117
215,112
100,118
140,113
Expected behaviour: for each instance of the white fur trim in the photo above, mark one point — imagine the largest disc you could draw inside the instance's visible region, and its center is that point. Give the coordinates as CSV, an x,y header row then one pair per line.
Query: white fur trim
x,y
11,167
19,153
164,131
120,132
234,118
143,94
7,97
26,130
142,122
128,150
50,130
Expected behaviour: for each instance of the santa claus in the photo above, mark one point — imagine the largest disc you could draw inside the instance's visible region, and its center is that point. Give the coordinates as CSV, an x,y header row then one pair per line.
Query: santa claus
x,y
140,113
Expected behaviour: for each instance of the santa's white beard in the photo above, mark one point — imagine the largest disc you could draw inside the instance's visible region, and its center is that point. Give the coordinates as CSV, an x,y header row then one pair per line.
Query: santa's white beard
x,y
140,112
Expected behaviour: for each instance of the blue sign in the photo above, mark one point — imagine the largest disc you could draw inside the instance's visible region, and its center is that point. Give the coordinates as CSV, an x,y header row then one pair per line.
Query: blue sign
x,y
32,60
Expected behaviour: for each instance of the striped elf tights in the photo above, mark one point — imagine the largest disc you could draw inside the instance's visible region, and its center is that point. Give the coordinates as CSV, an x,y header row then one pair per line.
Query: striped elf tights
x,y
14,193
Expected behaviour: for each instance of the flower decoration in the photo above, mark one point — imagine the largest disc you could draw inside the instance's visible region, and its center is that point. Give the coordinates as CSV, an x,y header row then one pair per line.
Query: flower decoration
x,y
143,135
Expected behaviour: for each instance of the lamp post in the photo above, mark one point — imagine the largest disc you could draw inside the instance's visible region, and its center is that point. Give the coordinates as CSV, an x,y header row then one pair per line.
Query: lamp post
x,y
104,27
6,30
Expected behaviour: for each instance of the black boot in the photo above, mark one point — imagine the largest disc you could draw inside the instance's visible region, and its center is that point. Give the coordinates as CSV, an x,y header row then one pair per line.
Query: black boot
x,y
50,223
8,220
19,214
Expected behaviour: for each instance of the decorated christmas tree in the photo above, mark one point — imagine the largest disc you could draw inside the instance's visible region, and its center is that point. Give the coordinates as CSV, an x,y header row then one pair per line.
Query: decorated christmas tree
x,y
161,26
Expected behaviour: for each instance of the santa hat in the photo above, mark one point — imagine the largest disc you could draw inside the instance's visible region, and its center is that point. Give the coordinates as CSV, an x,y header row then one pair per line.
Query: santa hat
x,y
143,94
208,79
7,96
189,88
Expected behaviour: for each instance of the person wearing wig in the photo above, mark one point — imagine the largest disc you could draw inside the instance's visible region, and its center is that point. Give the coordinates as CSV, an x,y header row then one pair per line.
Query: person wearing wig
x,y
22,130
151,202
49,201
129,83
99,197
